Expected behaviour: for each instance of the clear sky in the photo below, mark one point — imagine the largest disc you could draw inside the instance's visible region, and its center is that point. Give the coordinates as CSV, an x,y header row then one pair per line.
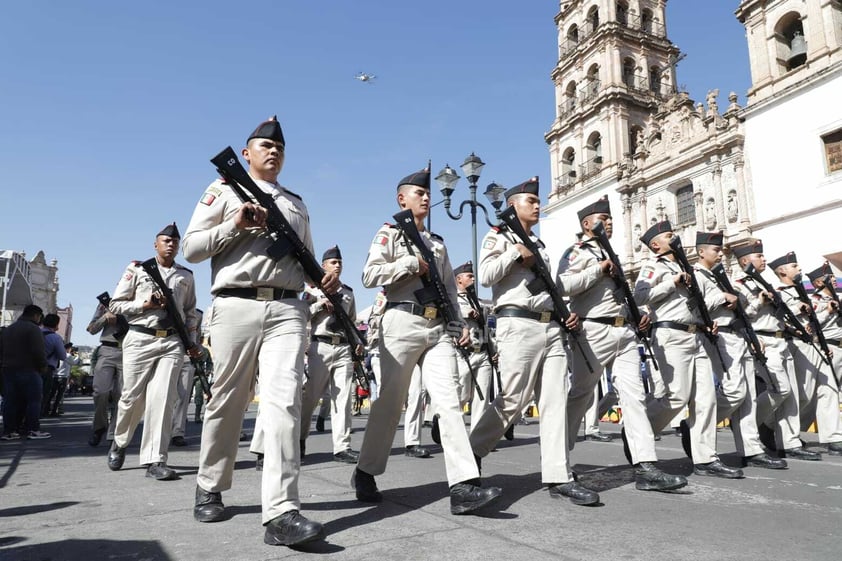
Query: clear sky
x,y
110,112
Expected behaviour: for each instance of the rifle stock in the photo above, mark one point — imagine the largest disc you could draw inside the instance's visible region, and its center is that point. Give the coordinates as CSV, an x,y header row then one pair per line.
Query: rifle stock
x,y
122,322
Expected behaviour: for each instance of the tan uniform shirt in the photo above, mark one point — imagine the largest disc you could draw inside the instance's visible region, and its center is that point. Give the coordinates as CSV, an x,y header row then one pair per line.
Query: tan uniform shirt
x,y
656,289
715,297
100,323
476,331
594,294
828,318
761,313
238,257
322,322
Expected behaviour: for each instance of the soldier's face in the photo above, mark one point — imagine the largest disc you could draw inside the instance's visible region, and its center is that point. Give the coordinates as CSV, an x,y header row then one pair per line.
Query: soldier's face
x,y
710,254
464,280
756,259
166,247
265,156
332,266
416,199
661,243
528,207
789,270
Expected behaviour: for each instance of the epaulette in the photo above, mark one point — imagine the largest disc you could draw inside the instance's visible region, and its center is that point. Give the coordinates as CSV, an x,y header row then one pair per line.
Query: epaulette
x,y
438,237
348,287
389,225
296,195
180,266
223,181
137,263
496,229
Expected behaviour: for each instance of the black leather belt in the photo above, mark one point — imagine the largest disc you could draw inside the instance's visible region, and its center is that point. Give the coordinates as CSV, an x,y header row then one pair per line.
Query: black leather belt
x,y
429,312
725,329
110,344
154,332
330,339
261,293
543,317
775,334
835,342
615,321
689,328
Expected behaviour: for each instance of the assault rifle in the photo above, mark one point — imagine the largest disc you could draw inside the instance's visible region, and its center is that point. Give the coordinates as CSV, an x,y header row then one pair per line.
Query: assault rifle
x,y
827,356
697,298
782,311
473,300
619,278
543,281
830,284
434,292
122,322
151,268
286,241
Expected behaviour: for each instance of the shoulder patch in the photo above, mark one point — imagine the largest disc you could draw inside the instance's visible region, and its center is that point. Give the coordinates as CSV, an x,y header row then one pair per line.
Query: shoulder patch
x,y
489,243
647,272
571,253
211,194
380,239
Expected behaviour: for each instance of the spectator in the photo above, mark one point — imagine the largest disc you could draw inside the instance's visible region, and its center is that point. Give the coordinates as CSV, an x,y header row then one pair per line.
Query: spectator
x,y
61,378
54,346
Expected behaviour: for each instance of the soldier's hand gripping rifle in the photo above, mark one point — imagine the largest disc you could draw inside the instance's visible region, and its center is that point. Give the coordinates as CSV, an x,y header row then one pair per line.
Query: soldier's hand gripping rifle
x,y
827,356
782,311
151,268
697,298
122,322
434,291
287,241
619,278
473,300
830,284
543,281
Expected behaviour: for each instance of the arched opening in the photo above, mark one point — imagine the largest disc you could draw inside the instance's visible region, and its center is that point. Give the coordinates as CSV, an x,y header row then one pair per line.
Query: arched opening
x,y
594,153
655,79
593,84
570,96
628,72
573,33
635,139
791,44
593,19
623,13
646,18
568,166
685,206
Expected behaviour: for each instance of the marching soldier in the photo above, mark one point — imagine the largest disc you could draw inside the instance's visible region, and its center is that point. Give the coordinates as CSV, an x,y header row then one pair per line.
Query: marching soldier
x,y
610,342
259,322
152,355
737,389
818,395
413,334
108,371
777,404
826,305
531,347
682,352
329,365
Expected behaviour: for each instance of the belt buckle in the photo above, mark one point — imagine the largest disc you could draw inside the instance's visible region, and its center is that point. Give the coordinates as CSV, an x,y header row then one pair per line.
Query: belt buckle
x,y
691,328
265,293
334,339
161,333
431,312
545,317
779,334
619,322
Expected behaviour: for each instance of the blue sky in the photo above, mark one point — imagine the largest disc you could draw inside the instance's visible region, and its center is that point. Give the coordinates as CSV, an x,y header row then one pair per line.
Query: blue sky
x,y
110,111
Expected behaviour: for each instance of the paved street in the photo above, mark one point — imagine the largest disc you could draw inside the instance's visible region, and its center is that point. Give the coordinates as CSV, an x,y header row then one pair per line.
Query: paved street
x,y
59,502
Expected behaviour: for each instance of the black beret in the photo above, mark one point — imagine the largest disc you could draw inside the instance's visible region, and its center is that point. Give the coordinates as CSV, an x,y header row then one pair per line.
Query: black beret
x,y
270,129
332,253
783,260
820,272
752,247
601,206
170,230
656,229
419,178
464,268
710,238
529,186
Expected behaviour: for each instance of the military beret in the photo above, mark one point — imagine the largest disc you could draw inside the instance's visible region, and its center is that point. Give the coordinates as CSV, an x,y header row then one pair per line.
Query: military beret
x,y
783,260
419,178
170,230
602,206
656,229
464,268
820,272
529,186
270,129
332,253
710,238
752,247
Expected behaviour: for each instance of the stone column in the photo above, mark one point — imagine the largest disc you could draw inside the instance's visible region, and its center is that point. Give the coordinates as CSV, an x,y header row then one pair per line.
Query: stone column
x,y
718,196
742,195
627,226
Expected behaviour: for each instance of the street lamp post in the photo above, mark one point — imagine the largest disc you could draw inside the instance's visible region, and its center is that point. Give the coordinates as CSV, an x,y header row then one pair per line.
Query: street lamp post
x,y
471,167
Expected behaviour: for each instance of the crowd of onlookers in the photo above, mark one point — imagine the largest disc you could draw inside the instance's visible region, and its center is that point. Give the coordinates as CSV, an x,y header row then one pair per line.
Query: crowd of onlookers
x,y
36,365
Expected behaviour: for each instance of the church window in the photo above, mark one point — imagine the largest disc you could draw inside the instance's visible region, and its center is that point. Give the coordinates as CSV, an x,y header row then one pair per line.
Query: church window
x,y
655,79
791,44
833,151
623,13
646,21
593,19
685,207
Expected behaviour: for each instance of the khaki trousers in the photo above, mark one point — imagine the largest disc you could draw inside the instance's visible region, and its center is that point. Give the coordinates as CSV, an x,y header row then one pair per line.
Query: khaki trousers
x,y
533,358
183,389
818,394
416,401
329,367
150,368
777,405
407,340
482,370
250,335
736,396
108,386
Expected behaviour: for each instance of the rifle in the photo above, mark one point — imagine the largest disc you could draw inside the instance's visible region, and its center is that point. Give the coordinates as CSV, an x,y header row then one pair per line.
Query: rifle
x,y
827,356
287,241
434,292
151,268
122,322
697,299
543,281
782,311
619,278
473,300
830,284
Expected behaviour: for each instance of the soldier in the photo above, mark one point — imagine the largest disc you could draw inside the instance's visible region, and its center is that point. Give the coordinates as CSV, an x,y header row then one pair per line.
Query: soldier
x,y
777,413
185,386
417,403
410,334
108,371
609,342
329,365
737,389
818,395
259,322
826,304
531,347
682,352
152,355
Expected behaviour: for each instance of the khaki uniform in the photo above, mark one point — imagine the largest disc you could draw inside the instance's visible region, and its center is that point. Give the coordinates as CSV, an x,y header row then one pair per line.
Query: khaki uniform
x,y
248,335
407,340
108,372
151,363
832,327
683,355
818,393
610,342
480,364
416,408
532,358
329,367
774,406
736,395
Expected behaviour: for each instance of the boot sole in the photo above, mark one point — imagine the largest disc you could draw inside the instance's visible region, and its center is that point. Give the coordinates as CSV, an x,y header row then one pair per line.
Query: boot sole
x,y
658,487
720,475
215,517
269,539
766,466
471,507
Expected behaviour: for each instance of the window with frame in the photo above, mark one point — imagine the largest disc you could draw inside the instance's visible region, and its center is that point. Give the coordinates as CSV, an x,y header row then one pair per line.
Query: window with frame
x,y
833,151
685,207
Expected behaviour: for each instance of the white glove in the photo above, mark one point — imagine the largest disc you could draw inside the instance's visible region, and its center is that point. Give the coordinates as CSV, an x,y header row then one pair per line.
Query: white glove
x,y
454,329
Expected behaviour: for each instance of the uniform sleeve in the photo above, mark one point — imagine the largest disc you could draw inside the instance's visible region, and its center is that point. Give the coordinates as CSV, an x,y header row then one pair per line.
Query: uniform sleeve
x,y
99,321
577,271
824,313
714,296
313,296
794,304
124,300
652,286
209,232
449,280
381,267
352,307
496,259
751,301
191,317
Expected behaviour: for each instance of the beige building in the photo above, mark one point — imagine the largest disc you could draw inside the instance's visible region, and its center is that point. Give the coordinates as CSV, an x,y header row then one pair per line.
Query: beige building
x,y
31,282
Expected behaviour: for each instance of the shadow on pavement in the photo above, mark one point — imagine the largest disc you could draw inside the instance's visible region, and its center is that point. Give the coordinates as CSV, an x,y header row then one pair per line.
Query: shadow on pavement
x,y
35,509
84,550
